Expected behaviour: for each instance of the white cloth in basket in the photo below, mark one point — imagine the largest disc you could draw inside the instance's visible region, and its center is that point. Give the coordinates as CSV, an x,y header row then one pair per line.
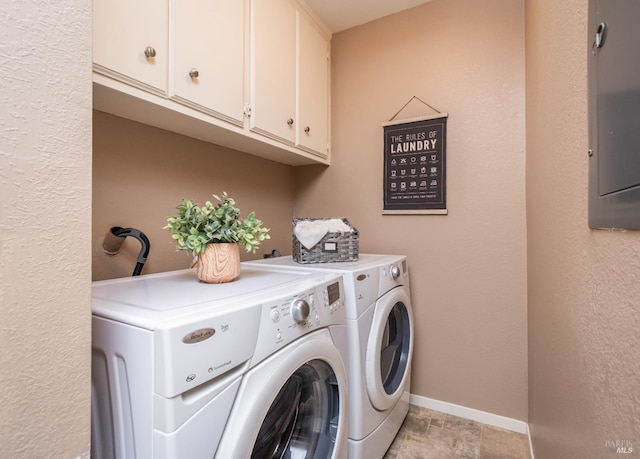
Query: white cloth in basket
x,y
310,232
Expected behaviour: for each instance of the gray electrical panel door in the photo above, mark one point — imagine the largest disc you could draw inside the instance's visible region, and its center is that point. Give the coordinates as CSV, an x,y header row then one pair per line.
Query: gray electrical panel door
x,y
614,114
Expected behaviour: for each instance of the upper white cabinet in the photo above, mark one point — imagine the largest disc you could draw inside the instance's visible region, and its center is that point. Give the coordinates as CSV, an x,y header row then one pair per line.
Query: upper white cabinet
x,y
130,42
289,76
208,57
251,75
313,88
273,69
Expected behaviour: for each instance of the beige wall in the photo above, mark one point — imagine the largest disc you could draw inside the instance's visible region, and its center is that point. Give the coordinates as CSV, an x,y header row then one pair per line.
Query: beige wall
x,y
584,339
141,173
45,263
469,267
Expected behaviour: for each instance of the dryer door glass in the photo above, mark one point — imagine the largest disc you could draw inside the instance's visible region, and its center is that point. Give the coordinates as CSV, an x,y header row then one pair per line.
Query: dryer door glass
x,y
302,421
394,353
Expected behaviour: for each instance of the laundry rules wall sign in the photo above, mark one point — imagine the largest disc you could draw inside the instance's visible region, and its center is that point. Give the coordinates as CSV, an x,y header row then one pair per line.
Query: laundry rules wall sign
x,y
415,166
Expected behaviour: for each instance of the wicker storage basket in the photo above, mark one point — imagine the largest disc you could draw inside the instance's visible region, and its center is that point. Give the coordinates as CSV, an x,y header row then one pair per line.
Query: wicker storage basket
x,y
332,247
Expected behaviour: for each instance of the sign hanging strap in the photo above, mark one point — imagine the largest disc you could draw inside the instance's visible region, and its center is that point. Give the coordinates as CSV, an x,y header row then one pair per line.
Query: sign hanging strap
x,y
409,101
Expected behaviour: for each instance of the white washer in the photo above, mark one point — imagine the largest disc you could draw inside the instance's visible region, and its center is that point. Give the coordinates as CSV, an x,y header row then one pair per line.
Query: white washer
x,y
175,359
380,328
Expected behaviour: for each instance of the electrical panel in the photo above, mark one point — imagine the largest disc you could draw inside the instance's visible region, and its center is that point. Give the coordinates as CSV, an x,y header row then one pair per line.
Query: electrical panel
x,y
614,114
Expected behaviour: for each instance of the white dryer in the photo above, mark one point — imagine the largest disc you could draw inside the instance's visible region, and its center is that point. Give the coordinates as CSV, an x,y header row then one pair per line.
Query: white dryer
x,y
176,362
380,329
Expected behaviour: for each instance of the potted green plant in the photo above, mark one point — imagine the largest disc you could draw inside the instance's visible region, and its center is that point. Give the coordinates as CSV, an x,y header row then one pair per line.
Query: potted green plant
x,y
213,233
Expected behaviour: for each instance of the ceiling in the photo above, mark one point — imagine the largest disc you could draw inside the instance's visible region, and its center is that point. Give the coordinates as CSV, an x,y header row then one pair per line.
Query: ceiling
x,y
342,14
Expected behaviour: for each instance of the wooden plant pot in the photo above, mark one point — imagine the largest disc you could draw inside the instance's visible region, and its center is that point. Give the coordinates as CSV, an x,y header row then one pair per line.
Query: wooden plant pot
x,y
219,263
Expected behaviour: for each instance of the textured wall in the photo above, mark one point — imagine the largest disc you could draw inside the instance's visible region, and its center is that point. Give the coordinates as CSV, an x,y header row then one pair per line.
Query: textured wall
x,y
141,173
584,308
469,267
45,219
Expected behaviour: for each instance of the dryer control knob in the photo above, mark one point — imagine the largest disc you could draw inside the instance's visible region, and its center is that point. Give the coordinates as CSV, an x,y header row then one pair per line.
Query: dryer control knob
x,y
395,272
300,310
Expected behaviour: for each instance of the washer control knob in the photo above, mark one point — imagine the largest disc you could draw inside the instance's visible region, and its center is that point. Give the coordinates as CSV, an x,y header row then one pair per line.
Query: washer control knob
x,y
395,272
300,310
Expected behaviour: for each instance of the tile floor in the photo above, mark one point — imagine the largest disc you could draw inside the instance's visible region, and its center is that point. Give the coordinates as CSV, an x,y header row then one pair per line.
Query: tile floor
x,y
428,434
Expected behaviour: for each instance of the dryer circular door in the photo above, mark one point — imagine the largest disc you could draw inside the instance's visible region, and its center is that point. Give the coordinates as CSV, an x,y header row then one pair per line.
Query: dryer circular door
x,y
389,349
292,405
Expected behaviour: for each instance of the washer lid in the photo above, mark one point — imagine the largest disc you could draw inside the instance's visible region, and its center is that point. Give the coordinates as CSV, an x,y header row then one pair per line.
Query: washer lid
x,y
142,300
365,260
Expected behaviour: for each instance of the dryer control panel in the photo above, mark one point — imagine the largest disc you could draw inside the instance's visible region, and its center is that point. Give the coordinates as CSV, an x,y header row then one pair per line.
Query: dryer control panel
x,y
393,275
304,310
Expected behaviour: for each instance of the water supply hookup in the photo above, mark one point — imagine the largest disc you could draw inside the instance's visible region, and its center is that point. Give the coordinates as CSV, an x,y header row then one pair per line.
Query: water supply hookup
x,y
115,238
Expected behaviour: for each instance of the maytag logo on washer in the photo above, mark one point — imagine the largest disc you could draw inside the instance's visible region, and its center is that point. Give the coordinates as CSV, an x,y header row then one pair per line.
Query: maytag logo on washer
x,y
198,335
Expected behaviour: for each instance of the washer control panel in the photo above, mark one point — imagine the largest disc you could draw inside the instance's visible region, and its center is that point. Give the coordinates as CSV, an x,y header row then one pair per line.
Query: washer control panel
x,y
302,311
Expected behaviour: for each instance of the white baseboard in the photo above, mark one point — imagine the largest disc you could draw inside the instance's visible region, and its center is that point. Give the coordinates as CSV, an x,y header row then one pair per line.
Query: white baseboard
x,y
472,414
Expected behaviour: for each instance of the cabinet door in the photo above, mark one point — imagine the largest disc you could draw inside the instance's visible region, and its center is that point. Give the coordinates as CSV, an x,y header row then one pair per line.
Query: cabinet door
x,y
208,51
130,41
273,69
313,88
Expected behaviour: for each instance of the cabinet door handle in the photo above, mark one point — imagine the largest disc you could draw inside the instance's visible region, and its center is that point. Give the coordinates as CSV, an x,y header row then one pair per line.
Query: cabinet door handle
x,y
290,121
193,73
307,129
149,51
